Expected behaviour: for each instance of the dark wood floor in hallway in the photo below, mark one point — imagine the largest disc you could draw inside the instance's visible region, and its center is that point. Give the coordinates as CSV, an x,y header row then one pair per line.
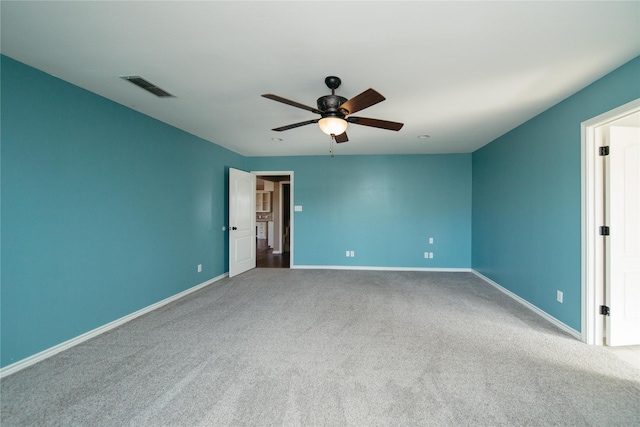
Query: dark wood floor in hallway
x,y
265,258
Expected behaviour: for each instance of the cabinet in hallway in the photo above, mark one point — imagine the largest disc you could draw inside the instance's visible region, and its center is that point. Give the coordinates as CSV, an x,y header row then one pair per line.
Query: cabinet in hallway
x,y
261,231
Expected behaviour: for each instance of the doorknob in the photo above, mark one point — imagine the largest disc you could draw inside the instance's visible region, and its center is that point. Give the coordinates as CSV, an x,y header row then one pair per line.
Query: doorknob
x,y
234,228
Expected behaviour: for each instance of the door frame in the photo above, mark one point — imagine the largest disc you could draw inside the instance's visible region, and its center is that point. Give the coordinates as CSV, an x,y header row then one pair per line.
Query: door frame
x,y
281,208
291,217
592,329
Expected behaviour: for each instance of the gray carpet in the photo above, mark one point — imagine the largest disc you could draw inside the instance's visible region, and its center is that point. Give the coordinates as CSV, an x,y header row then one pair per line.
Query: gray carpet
x,y
334,348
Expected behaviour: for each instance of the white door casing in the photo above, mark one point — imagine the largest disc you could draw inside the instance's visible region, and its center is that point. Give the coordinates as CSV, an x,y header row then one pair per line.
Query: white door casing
x,y
622,294
281,207
242,221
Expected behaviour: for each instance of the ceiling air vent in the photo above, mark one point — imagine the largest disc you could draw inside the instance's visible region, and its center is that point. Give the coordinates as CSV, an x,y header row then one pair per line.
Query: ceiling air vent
x,y
148,86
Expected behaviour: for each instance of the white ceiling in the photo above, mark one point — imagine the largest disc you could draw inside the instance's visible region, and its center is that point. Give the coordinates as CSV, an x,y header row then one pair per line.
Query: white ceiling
x,y
462,72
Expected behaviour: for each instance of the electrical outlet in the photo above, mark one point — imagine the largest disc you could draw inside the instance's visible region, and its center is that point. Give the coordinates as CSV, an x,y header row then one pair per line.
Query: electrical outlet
x,y
348,254
559,296
353,254
426,255
431,240
199,268
430,255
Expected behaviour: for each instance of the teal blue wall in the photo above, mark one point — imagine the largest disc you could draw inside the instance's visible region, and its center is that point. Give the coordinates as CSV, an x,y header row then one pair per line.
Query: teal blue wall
x,y
527,198
104,211
382,207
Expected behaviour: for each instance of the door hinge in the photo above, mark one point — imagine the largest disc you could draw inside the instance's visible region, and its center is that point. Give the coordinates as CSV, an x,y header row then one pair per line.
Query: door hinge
x,y
604,230
604,310
604,151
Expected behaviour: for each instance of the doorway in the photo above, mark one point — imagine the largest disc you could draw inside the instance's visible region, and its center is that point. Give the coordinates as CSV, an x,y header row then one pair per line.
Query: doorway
x,y
274,219
602,290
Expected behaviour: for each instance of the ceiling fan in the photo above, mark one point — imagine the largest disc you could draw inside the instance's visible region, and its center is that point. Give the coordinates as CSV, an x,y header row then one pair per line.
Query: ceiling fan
x,y
335,111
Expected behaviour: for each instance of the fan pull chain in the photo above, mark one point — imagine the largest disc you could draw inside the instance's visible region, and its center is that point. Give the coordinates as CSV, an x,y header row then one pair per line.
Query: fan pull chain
x,y
333,138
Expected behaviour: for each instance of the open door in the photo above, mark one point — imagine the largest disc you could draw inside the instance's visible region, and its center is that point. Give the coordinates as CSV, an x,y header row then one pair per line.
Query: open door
x,y
595,247
623,290
242,221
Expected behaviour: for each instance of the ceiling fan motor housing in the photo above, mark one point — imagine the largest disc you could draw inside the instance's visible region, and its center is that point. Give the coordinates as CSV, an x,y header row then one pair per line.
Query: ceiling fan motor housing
x,y
330,105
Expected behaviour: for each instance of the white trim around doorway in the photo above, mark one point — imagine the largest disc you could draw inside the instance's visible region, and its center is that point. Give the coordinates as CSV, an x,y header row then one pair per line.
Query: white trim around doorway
x,y
291,210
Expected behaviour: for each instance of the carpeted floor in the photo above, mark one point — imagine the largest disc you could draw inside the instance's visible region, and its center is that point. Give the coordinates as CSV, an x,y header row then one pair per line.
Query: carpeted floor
x,y
330,348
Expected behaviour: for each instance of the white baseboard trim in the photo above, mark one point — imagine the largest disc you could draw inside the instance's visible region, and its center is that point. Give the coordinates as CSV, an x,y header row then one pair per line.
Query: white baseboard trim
x,y
31,360
365,267
531,307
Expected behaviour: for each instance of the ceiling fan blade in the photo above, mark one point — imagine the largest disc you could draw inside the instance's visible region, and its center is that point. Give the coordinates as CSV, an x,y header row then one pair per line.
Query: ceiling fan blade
x,y
290,102
295,125
341,138
375,123
359,102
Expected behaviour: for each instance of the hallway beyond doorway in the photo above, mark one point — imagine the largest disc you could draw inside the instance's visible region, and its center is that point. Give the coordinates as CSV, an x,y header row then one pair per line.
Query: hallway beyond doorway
x,y
265,258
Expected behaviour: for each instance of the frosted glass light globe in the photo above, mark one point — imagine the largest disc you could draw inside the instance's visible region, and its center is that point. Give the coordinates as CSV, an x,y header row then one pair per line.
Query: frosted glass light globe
x,y
333,125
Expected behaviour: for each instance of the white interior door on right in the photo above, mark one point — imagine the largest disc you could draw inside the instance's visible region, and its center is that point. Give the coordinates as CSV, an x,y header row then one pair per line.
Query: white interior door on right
x,y
623,290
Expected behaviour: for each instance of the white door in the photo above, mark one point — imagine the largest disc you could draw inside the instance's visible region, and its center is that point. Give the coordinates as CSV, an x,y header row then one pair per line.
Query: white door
x,y
623,293
242,221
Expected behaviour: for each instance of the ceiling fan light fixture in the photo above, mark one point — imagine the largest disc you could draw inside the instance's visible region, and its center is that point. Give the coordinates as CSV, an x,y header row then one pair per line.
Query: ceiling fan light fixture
x,y
332,125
